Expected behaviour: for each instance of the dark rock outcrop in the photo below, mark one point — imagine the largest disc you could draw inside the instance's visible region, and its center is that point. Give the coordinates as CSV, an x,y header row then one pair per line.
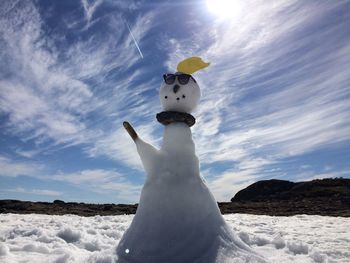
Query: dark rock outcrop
x,y
59,207
329,197
278,190
264,190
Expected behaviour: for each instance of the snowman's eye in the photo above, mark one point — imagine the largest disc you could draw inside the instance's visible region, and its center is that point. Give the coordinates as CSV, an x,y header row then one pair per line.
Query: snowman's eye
x,y
166,97
183,96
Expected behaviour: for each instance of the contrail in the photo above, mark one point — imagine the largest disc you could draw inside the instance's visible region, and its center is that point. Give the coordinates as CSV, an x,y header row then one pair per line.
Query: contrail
x,y
137,45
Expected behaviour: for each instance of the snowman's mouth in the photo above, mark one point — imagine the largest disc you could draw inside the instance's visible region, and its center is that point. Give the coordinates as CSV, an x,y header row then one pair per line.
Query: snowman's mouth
x,y
178,98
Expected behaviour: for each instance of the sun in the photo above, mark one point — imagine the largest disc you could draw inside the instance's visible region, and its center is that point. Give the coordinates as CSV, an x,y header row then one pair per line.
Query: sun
x,y
224,8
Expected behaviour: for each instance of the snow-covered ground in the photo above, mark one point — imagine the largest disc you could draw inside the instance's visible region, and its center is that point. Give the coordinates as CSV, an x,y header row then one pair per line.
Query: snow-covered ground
x,y
69,238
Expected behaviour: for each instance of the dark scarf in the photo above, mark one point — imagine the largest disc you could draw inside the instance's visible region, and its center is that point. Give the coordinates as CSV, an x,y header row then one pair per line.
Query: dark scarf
x,y
167,117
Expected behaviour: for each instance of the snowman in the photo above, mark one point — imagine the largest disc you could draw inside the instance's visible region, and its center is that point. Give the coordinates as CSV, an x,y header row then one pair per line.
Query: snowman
x,y
178,219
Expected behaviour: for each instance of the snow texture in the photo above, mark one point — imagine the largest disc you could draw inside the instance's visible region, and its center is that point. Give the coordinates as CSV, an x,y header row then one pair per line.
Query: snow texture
x,y
178,219
301,239
69,235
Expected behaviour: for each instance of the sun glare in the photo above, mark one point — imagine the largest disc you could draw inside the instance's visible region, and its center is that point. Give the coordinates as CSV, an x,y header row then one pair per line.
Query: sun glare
x,y
224,8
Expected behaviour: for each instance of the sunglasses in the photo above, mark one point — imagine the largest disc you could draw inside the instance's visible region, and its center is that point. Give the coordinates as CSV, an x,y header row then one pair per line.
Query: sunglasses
x,y
182,78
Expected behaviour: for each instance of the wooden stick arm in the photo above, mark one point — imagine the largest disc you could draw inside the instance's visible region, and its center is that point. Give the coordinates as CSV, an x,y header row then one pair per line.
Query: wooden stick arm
x,y
130,130
148,154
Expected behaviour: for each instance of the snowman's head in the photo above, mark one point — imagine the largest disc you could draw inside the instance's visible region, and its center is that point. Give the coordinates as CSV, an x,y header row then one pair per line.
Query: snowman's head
x,y
179,92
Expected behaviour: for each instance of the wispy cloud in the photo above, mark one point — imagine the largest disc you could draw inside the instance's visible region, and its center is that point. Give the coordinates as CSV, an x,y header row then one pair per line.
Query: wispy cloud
x,y
37,96
26,153
13,168
90,7
225,185
66,96
44,192
101,181
119,146
277,87
298,100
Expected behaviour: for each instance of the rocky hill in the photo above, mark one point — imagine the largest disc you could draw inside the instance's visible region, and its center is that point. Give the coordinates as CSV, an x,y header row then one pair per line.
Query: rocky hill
x,y
330,197
272,190
279,190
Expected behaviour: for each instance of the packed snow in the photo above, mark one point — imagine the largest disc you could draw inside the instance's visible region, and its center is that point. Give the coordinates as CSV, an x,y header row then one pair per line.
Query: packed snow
x,y
69,238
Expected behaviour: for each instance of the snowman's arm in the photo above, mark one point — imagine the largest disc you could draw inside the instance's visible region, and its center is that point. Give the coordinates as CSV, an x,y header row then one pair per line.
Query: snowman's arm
x,y
130,130
147,152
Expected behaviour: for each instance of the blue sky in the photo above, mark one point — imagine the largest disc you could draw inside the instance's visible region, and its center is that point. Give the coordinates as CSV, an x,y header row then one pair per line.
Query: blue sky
x,y
275,99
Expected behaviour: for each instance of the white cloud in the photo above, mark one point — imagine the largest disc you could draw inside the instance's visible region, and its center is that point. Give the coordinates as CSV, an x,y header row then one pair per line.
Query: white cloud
x,y
225,186
298,101
119,146
328,168
13,168
90,8
95,180
102,182
47,93
35,191
305,166
26,153
264,97
86,176
36,95
312,175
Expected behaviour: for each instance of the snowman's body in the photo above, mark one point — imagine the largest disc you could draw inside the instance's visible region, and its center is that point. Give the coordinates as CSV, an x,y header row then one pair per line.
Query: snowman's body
x,y
178,219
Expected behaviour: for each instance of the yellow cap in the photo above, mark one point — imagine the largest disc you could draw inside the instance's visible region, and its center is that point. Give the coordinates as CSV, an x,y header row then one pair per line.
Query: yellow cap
x,y
191,65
